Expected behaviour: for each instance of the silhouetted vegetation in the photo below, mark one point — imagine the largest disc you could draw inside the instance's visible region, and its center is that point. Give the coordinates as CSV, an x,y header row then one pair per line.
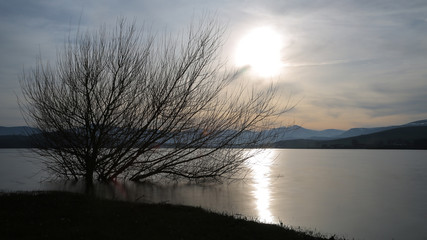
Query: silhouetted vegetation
x,y
15,141
56,215
399,138
113,97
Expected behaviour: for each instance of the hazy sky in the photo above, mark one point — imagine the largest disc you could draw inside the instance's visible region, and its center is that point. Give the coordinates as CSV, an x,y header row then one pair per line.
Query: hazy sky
x,y
348,63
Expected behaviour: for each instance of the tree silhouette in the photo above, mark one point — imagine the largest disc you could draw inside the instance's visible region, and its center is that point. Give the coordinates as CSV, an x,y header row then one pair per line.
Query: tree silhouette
x,y
114,97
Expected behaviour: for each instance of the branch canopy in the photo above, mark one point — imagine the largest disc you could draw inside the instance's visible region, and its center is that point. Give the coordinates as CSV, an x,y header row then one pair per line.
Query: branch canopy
x,y
114,97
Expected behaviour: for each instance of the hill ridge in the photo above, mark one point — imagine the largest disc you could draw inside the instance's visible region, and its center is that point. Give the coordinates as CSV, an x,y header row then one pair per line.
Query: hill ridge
x,y
411,137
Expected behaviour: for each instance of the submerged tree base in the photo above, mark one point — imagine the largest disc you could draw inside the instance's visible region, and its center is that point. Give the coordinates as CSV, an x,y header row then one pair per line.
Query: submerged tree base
x,y
59,215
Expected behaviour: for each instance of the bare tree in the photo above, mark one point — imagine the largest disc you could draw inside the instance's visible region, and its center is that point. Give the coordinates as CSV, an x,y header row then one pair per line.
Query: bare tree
x,y
114,97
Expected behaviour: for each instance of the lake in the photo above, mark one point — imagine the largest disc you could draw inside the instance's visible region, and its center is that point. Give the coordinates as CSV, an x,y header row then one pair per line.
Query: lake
x,y
361,194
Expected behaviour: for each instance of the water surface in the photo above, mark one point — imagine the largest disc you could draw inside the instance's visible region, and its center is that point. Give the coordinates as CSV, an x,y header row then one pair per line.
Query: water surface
x,y
362,194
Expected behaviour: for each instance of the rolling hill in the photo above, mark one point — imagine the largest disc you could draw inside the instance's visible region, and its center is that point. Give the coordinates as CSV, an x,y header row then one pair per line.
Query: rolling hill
x,y
396,138
412,135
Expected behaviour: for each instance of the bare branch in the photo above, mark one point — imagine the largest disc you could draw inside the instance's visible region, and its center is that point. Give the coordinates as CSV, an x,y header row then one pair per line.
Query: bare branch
x,y
113,98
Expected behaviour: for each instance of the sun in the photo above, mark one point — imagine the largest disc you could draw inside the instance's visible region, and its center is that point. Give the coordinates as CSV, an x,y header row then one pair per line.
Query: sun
x,y
260,49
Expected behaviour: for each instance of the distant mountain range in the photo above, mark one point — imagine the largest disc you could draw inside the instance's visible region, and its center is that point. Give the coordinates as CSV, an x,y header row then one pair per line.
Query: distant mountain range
x,y
410,135
297,132
414,137
23,131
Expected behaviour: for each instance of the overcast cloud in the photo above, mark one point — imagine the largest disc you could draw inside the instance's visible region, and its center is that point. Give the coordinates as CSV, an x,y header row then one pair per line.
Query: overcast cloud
x,y
351,63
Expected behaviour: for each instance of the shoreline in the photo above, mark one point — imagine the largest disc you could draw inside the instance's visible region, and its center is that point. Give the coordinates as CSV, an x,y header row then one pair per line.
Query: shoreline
x,y
64,215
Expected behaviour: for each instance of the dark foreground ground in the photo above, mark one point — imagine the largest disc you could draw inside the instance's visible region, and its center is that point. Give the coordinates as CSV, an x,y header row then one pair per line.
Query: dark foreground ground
x,y
59,215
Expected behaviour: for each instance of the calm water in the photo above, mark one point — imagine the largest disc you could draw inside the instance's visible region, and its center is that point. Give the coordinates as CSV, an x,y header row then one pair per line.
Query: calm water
x,y
361,194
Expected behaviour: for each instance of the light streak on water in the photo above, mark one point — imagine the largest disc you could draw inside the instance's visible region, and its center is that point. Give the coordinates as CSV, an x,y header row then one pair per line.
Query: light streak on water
x,y
260,166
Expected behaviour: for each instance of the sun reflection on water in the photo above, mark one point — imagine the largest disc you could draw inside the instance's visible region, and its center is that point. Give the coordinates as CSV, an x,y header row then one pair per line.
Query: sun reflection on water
x,y
260,166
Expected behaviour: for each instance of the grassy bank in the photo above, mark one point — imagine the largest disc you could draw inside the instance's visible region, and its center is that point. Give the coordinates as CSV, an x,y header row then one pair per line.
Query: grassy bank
x,y
58,215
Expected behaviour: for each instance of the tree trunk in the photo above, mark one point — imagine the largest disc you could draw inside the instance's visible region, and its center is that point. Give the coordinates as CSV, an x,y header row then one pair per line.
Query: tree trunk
x,y
89,177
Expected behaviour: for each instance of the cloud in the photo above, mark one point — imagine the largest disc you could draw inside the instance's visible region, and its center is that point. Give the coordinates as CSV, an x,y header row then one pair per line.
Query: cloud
x,y
325,63
346,60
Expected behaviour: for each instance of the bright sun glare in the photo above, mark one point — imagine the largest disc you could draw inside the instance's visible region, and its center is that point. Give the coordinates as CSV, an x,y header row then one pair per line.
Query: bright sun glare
x,y
260,50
